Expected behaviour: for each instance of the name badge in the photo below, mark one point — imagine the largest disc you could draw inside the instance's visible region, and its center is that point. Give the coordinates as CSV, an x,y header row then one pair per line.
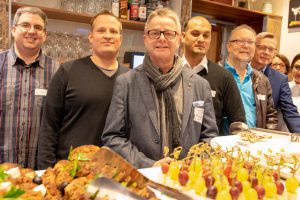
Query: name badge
x,y
198,103
261,97
213,93
198,111
40,92
198,114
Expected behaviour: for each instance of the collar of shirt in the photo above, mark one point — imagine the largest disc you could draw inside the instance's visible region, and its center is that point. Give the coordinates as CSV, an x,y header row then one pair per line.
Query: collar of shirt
x,y
233,71
198,68
263,69
293,84
13,59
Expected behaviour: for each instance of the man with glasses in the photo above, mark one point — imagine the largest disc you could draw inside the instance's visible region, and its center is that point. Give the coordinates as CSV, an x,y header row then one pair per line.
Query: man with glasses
x,y
266,47
25,76
254,87
225,94
80,94
160,103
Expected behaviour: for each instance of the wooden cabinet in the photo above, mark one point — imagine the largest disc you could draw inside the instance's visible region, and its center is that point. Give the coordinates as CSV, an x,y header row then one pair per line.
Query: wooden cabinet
x,y
259,21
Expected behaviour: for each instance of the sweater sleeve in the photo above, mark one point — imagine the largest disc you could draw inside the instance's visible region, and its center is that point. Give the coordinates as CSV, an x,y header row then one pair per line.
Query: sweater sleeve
x,y
52,120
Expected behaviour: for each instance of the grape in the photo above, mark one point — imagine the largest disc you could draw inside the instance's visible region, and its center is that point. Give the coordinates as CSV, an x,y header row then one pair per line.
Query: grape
x,y
192,176
209,181
275,176
165,168
195,165
261,192
246,185
37,180
271,189
211,192
242,174
254,182
223,195
280,187
227,171
251,194
239,185
199,185
219,185
183,177
291,184
174,171
234,192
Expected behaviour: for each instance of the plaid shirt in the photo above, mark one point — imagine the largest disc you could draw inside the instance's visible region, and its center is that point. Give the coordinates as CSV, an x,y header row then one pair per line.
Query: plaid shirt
x,y
22,91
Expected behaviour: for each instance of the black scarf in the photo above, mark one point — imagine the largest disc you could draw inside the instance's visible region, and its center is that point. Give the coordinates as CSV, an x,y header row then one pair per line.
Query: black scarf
x,y
163,84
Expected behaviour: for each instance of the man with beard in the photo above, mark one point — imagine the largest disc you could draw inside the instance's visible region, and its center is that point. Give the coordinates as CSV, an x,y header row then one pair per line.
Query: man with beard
x,y
226,97
255,88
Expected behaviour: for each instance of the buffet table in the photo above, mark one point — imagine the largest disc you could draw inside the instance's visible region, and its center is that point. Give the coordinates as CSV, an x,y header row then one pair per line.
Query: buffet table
x,y
279,142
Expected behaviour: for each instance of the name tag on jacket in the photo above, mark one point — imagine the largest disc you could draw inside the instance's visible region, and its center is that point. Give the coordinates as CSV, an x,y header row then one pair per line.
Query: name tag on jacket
x,y
198,111
40,92
261,97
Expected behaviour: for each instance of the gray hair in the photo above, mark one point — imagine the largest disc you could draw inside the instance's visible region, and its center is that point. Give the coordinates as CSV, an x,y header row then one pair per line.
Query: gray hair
x,y
243,26
164,12
31,10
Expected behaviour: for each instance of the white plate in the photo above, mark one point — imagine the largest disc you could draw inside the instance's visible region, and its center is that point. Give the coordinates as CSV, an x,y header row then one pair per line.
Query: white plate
x,y
275,144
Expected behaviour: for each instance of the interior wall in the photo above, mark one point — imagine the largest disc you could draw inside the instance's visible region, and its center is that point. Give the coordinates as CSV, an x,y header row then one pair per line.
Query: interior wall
x,y
289,40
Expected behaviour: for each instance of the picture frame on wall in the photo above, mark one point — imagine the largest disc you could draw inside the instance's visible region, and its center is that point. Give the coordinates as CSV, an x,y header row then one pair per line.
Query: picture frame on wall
x,y
294,15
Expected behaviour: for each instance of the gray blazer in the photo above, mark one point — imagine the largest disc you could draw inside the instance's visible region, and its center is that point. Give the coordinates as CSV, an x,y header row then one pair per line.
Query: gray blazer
x,y
132,127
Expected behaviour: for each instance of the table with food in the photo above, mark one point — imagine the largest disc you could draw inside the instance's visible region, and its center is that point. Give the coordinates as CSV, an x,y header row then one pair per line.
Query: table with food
x,y
253,164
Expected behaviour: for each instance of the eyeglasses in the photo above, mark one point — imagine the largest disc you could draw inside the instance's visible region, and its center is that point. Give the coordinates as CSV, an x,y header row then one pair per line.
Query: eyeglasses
x,y
278,64
25,27
243,42
168,34
265,48
296,67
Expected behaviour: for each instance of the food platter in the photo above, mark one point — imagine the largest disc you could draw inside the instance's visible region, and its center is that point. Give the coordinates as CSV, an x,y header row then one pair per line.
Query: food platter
x,y
280,144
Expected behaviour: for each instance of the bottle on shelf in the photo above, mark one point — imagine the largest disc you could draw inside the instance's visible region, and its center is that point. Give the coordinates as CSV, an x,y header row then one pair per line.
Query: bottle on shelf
x,y
134,10
123,13
115,7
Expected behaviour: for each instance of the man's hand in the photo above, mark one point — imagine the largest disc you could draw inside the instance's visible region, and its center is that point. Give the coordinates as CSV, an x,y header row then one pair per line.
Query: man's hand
x,y
164,160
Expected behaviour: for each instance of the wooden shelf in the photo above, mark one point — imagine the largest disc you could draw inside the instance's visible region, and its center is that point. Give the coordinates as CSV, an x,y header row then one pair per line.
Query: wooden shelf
x,y
227,12
59,14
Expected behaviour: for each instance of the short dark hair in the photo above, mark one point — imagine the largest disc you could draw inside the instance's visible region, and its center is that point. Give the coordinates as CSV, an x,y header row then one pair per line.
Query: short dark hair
x,y
104,12
285,60
295,59
31,10
185,26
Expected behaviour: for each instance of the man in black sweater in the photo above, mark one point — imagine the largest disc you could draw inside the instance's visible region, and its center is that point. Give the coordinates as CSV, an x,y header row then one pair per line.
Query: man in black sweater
x,y
226,97
79,96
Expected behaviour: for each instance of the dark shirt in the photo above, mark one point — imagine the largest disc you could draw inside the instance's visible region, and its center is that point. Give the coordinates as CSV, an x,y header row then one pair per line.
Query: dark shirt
x,y
225,94
75,109
22,91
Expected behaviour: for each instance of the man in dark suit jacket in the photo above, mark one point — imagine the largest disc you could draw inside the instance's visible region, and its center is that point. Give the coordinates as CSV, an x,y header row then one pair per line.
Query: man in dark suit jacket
x,y
160,103
224,91
265,50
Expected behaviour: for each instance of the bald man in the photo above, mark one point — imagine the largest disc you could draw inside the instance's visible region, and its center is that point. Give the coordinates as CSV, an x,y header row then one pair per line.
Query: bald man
x,y
226,97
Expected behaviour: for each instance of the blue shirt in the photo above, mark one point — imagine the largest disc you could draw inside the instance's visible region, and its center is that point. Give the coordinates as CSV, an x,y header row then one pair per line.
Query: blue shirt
x,y
247,93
